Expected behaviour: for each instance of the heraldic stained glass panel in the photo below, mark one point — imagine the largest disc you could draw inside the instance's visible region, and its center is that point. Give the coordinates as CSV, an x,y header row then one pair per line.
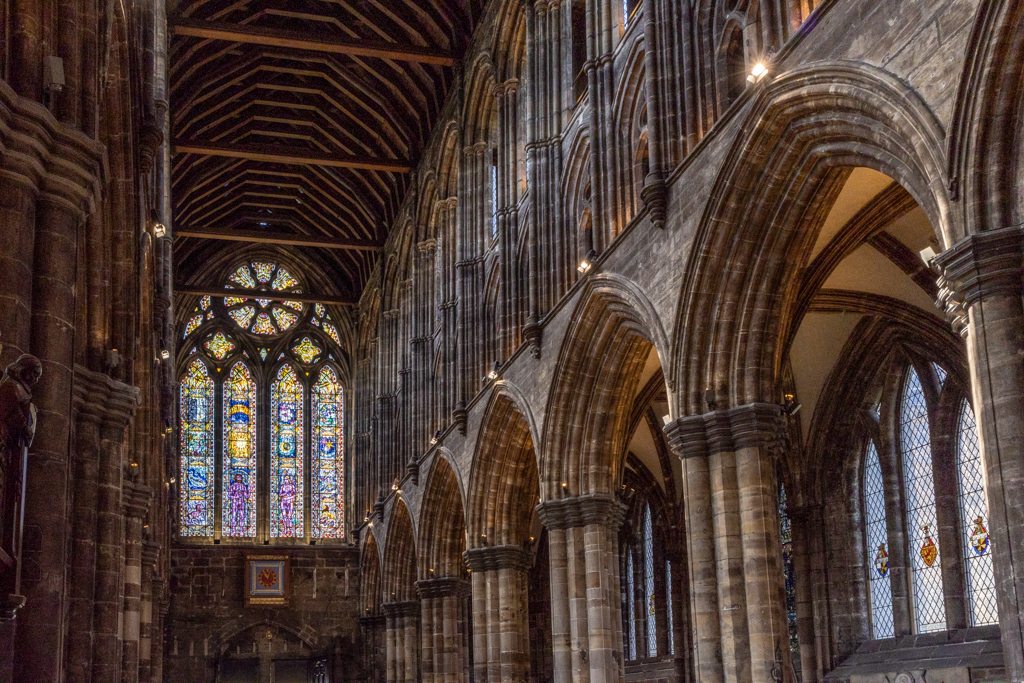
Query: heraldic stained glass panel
x,y
876,530
915,443
327,446
286,455
197,444
981,588
238,516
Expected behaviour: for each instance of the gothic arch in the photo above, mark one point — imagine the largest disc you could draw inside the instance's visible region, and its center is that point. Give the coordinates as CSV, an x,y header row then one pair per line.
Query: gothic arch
x,y
801,130
399,564
443,526
369,580
602,356
504,482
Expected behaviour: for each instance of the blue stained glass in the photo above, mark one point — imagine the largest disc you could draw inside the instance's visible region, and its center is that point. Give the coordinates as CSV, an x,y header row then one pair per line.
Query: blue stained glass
x,y
326,442
787,572
239,453
981,587
919,482
286,455
876,531
197,444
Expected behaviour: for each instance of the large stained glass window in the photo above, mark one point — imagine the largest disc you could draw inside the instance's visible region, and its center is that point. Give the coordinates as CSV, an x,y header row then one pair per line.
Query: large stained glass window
x,y
286,455
271,317
630,607
876,531
915,443
198,427
981,589
649,605
238,516
788,577
326,446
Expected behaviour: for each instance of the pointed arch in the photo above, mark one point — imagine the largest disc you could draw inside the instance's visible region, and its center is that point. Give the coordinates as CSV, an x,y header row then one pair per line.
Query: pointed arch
x,y
398,575
369,581
442,534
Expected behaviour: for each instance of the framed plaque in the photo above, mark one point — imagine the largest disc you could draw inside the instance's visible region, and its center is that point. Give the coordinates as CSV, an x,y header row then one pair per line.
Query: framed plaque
x,y
268,581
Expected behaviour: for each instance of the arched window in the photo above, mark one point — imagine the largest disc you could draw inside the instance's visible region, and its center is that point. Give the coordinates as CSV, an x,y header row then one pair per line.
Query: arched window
x,y
877,538
266,369
239,456
981,589
198,434
286,454
919,482
649,605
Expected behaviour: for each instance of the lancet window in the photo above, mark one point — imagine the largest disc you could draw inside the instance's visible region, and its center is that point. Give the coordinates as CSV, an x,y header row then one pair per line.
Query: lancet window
x,y
261,414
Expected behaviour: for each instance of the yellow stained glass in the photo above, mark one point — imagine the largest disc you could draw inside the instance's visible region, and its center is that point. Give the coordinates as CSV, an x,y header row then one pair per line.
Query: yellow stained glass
x,y
306,350
284,280
205,302
263,325
293,304
219,346
195,322
263,302
230,301
263,271
243,277
243,316
285,319
331,330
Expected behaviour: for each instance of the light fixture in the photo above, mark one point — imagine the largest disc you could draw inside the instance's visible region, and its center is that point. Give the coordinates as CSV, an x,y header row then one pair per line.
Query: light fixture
x,y
493,374
587,262
394,487
757,73
927,254
437,437
165,354
791,407
159,230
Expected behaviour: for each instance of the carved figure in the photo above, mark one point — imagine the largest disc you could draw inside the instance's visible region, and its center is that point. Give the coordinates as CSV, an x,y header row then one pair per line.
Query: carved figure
x,y
17,414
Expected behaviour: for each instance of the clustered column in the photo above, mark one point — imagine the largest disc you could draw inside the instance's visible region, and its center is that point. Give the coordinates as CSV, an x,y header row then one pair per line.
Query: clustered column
x,y
402,640
734,546
150,555
136,503
586,604
443,629
981,278
501,638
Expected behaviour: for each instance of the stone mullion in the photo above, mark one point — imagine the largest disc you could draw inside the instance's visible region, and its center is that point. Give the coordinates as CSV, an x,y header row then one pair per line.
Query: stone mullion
x,y
136,504
942,424
899,558
78,666
801,525
983,274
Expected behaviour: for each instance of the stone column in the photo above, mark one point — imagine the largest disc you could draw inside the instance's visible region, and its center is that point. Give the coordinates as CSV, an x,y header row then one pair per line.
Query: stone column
x,y
411,619
136,504
121,404
688,440
160,605
391,638
443,656
802,523
585,583
500,611
981,287
150,556
740,487
88,407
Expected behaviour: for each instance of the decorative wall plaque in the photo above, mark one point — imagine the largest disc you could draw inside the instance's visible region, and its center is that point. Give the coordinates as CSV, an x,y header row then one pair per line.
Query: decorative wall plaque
x,y
268,581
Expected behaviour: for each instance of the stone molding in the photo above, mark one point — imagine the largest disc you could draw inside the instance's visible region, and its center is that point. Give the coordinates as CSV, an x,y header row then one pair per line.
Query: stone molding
x,y
978,266
97,397
442,587
722,431
406,608
498,557
579,511
150,553
136,499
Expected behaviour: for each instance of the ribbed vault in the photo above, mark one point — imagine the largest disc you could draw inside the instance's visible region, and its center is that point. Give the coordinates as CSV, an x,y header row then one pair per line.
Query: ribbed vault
x,y
296,123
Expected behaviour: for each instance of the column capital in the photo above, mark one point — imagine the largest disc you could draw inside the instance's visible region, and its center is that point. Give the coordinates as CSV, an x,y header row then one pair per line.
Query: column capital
x,y
721,431
136,499
405,608
979,266
442,587
498,557
98,397
568,513
427,246
150,554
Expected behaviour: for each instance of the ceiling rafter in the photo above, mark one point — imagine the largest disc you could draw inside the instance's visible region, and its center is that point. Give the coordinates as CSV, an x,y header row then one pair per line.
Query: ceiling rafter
x,y
269,37
272,296
280,154
261,237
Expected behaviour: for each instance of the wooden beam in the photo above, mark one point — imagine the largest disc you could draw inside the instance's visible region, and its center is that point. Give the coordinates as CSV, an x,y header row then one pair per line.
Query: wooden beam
x,y
273,296
276,154
260,237
298,40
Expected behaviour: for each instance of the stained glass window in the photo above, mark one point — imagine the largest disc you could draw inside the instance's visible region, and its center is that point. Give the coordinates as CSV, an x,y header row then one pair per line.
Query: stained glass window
x,y
787,570
651,619
326,446
330,329
259,315
204,303
243,277
263,271
243,316
306,350
876,531
284,319
286,455
219,346
981,589
630,608
940,372
193,323
197,446
238,517
263,325
915,442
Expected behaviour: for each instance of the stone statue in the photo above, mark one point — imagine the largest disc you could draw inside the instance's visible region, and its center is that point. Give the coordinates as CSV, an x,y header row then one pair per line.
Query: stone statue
x,y
17,414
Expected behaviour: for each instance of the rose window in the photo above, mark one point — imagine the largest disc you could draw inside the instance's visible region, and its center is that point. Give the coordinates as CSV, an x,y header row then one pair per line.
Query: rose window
x,y
263,316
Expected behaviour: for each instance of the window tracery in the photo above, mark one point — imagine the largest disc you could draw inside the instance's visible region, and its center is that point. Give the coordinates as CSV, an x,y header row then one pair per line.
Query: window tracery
x,y
261,401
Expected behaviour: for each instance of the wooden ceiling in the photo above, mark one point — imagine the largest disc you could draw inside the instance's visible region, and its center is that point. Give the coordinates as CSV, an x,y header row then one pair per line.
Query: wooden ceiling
x,y
296,124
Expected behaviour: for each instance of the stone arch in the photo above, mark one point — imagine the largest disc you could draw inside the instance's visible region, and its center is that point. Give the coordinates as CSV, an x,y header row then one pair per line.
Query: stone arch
x,y
504,482
802,129
399,565
370,571
443,527
600,362
305,633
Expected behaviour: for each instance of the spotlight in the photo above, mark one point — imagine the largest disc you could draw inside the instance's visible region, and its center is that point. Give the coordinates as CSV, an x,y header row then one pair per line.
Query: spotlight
x,y
435,438
584,266
165,354
588,262
159,230
493,374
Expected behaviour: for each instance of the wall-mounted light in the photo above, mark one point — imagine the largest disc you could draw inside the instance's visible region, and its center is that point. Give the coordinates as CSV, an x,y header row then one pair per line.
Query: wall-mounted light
x,y
493,374
159,230
927,255
587,262
757,73
791,407
165,354
437,437
394,487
